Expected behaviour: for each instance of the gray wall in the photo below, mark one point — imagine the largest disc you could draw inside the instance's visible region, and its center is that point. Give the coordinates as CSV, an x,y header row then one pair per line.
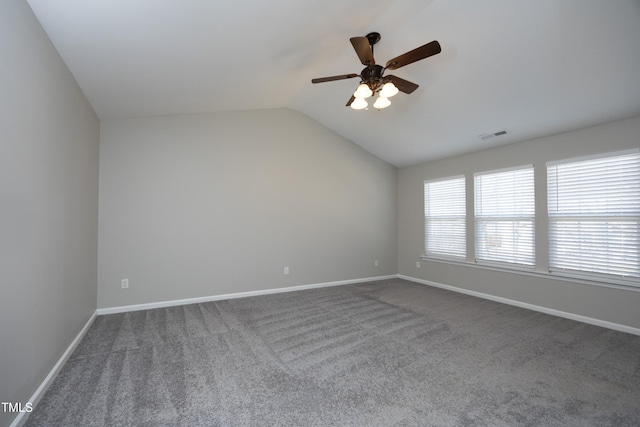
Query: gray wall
x,y
608,304
49,138
202,205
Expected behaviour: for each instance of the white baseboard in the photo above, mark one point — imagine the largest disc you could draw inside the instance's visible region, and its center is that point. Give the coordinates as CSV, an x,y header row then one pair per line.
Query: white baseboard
x,y
554,312
198,300
37,395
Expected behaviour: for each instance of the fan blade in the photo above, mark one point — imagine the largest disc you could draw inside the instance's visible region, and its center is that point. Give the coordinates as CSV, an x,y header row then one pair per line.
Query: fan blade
x,y
402,84
332,78
414,55
363,49
353,98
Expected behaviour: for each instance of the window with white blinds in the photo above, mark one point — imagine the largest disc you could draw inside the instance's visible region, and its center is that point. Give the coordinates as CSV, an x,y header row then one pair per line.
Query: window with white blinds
x,y
594,216
505,216
445,217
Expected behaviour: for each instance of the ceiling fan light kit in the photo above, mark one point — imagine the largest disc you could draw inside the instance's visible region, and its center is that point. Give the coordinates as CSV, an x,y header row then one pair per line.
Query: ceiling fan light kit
x,y
389,90
381,103
363,91
359,104
372,79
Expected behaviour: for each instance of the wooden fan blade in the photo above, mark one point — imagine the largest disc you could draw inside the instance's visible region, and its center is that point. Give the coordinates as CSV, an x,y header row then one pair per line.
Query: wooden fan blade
x,y
353,98
414,55
363,50
402,84
332,78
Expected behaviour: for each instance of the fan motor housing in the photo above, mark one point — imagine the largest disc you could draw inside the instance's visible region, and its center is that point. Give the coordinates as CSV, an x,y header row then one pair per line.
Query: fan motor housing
x,y
372,72
372,76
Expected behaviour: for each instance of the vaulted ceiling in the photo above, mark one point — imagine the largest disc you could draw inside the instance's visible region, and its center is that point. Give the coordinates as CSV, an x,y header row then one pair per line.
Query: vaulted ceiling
x,y
534,68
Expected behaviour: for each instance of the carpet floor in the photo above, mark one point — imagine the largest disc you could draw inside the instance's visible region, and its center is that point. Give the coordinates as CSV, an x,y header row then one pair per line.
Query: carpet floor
x,y
386,353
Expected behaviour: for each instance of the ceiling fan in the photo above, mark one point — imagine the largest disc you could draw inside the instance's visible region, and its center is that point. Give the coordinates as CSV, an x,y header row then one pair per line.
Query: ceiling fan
x,y
372,76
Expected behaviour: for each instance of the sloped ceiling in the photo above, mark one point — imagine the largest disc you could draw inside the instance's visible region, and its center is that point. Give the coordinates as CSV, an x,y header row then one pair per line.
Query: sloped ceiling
x,y
534,67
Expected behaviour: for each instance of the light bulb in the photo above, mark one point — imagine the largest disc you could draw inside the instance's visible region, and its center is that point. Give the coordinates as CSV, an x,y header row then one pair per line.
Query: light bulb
x,y
363,91
359,104
381,103
388,90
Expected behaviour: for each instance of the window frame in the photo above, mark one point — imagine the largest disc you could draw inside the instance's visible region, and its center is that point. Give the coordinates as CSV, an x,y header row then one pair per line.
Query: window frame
x,y
553,218
529,218
434,255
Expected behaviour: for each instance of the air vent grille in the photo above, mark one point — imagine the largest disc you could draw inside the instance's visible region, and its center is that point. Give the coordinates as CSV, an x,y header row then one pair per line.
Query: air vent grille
x,y
493,135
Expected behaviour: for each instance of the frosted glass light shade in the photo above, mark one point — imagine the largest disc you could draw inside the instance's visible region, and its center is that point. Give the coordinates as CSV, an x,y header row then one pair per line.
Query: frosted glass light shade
x,y
363,91
388,90
359,104
381,103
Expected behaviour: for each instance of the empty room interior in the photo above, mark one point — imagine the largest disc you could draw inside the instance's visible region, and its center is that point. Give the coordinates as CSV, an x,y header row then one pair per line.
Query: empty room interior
x,y
197,231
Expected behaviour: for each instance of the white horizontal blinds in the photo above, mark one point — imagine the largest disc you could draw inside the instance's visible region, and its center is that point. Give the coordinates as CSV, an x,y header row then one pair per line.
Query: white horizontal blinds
x,y
445,217
505,215
594,215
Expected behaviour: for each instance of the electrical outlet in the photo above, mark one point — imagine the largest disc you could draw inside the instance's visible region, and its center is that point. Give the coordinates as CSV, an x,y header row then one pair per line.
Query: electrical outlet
x,y
286,270
375,263
417,264
125,283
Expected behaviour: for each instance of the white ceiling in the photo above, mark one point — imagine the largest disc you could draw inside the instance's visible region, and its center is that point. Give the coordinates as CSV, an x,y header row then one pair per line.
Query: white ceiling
x,y
535,67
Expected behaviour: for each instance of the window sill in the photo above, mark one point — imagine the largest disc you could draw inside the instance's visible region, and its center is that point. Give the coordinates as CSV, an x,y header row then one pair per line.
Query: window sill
x,y
567,277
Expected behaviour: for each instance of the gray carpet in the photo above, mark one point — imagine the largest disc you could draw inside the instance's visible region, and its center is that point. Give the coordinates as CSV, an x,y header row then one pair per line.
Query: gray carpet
x,y
375,354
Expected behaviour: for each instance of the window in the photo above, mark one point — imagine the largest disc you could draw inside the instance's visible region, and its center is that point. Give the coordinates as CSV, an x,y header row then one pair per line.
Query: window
x,y
594,215
505,215
445,217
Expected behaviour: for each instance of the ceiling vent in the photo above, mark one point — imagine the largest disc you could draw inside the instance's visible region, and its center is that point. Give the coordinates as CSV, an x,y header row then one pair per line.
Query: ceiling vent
x,y
493,135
